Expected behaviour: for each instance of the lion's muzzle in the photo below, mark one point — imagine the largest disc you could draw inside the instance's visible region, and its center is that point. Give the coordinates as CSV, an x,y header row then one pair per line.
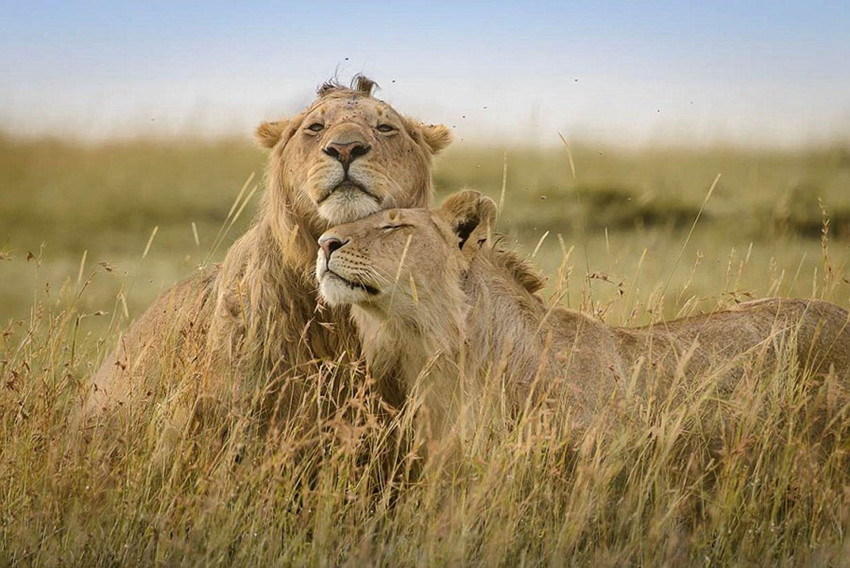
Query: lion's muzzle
x,y
346,152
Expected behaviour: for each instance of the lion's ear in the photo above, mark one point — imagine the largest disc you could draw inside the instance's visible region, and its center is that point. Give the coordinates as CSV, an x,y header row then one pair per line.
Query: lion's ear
x,y
268,133
436,136
471,215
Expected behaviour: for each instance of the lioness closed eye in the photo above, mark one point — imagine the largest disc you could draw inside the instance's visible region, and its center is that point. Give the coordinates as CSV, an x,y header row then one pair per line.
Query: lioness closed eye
x,y
430,289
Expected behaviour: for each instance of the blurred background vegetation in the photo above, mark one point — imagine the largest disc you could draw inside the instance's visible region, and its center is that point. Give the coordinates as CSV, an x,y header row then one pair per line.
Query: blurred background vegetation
x,y
80,217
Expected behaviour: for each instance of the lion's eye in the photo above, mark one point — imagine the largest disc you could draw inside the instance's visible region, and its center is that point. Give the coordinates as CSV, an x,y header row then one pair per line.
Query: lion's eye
x,y
393,227
316,127
386,128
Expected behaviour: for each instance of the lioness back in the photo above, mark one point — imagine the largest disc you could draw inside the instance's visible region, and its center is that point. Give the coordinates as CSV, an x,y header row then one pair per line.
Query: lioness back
x,y
815,333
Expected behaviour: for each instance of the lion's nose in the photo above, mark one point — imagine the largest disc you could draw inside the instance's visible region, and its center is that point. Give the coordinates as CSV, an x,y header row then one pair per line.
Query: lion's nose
x,y
346,152
330,244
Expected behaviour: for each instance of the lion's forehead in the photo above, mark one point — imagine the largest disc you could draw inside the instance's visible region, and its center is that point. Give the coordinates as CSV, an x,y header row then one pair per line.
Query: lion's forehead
x,y
419,228
353,108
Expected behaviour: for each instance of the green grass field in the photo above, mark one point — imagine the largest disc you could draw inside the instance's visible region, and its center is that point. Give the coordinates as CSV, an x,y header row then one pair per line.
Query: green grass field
x,y
60,202
90,235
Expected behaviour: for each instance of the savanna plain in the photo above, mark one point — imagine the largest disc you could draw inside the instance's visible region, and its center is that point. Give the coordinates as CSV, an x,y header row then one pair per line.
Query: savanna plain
x,y
91,234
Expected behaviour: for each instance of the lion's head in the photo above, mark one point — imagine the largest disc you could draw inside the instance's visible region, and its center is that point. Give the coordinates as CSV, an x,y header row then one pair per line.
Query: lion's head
x,y
404,260
346,156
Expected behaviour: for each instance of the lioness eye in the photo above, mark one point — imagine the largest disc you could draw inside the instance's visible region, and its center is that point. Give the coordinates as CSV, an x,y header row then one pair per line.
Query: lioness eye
x,y
316,127
386,128
392,227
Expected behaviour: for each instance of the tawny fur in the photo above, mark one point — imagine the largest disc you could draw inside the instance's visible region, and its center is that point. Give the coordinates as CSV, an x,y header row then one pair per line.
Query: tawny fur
x,y
255,315
459,313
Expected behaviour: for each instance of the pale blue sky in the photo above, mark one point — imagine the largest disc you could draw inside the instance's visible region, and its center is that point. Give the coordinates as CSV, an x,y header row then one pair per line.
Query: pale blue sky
x,y
757,72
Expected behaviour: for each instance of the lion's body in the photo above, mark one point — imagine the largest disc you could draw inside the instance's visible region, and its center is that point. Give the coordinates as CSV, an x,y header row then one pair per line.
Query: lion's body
x,y
344,157
170,334
459,322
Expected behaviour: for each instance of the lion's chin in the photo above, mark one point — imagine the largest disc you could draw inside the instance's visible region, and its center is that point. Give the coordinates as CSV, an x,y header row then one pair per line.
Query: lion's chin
x,y
347,206
337,292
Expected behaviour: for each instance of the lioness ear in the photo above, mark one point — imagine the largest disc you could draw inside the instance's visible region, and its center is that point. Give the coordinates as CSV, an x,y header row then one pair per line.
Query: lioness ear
x,y
268,133
471,215
436,136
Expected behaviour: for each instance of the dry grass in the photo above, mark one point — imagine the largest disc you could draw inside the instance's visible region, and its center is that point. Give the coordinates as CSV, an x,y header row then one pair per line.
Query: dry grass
x,y
690,477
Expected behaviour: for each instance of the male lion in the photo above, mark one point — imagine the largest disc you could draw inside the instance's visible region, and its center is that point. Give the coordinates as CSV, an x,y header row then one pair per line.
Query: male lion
x,y
439,305
346,156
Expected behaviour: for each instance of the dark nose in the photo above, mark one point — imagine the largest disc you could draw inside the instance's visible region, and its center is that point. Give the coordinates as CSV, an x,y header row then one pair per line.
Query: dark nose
x,y
346,152
330,244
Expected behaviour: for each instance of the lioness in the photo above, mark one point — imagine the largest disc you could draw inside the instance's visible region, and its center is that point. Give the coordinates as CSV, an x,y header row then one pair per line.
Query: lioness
x,y
430,291
346,156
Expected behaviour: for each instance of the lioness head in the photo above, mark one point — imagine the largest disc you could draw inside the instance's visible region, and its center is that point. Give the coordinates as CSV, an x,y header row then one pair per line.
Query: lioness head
x,y
404,260
346,156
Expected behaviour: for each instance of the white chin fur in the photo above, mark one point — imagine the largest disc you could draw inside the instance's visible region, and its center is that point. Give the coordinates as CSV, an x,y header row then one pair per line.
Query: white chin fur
x,y
335,292
346,207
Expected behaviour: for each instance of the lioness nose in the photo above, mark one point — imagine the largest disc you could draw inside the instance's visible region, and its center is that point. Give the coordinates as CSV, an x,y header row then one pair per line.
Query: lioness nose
x,y
346,152
330,244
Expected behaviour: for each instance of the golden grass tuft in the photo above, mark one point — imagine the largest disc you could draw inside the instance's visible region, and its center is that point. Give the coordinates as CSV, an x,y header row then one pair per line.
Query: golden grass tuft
x,y
689,476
